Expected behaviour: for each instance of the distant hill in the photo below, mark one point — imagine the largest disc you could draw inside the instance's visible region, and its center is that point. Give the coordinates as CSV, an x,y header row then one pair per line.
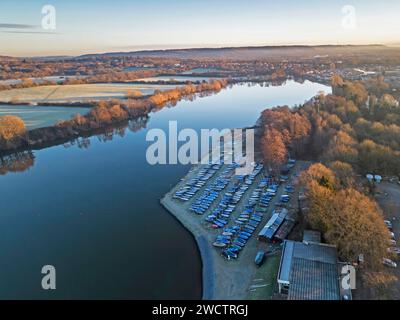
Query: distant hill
x,y
7,58
248,53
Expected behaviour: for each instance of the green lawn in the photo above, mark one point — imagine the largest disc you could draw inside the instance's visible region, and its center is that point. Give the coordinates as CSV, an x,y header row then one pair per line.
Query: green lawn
x,y
264,283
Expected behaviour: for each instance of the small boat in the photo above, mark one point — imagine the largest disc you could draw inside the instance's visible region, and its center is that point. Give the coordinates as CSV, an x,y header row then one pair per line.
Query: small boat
x,y
219,245
243,238
248,230
253,223
259,259
236,247
239,244
245,233
250,227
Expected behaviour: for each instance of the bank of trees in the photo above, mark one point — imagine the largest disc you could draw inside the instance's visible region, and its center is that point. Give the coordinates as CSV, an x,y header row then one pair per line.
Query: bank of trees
x,y
291,127
354,130
104,114
346,217
112,111
358,125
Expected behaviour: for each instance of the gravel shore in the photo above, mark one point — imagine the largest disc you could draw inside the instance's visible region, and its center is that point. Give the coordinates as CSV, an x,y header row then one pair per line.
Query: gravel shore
x,y
222,279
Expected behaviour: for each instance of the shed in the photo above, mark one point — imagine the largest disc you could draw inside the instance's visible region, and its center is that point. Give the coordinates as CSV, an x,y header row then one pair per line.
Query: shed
x,y
310,236
272,226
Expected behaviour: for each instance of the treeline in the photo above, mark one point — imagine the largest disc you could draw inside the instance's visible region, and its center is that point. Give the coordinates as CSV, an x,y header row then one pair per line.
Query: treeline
x,y
100,78
351,125
26,83
113,77
13,134
85,66
346,217
356,129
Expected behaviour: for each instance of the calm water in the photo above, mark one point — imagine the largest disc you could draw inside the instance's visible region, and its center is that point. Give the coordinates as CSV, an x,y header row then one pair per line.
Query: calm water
x,y
94,213
177,77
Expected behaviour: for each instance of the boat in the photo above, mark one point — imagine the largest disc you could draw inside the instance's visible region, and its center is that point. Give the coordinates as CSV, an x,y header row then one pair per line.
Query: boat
x,y
250,227
239,244
219,245
243,237
236,247
246,233
248,230
259,259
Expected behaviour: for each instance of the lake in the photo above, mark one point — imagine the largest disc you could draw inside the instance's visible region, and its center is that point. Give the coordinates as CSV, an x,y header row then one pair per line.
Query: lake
x,y
92,210
178,78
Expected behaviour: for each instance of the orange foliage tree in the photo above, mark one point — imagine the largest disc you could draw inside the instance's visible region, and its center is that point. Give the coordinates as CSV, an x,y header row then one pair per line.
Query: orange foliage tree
x,y
347,218
11,127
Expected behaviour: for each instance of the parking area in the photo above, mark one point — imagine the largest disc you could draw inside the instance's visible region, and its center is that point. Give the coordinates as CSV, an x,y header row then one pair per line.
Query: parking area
x,y
388,197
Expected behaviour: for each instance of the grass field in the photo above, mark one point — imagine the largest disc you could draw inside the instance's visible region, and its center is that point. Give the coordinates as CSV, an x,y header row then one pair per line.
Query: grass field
x,y
264,283
76,93
37,117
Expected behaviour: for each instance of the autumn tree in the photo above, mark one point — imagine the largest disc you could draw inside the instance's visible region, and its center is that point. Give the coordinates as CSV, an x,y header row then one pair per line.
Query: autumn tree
x,y
132,94
342,147
344,172
11,127
273,148
346,217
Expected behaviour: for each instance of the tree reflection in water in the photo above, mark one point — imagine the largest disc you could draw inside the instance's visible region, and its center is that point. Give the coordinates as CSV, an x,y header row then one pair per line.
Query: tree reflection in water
x,y
16,162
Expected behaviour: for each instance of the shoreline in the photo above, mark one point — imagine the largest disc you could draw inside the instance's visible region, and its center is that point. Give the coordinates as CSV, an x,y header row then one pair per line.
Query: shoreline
x,y
221,279
208,282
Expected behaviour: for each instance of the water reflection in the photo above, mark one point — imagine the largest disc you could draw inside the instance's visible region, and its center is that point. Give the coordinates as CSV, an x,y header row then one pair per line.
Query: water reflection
x,y
21,161
107,134
16,162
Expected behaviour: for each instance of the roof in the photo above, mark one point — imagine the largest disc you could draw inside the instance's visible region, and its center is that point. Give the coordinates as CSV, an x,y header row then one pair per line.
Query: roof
x,y
311,236
311,270
284,229
273,224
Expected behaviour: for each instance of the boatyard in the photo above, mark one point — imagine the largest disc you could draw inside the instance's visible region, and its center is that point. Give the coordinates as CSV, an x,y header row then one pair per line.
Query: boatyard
x,y
238,222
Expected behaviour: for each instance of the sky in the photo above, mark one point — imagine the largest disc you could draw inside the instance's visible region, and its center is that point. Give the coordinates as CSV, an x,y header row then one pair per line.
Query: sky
x,y
96,26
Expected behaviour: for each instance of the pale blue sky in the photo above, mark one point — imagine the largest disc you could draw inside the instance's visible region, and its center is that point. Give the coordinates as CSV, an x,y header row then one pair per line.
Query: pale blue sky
x,y
122,25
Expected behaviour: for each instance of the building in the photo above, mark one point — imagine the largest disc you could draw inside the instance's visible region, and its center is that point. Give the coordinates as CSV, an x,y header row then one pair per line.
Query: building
x,y
309,271
268,232
310,236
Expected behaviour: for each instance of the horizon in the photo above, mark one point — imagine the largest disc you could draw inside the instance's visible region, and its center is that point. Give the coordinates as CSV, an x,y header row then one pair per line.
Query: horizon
x,y
127,26
208,48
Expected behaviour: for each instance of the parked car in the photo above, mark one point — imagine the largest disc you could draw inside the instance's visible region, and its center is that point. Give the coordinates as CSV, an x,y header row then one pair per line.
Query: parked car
x,y
392,242
394,250
389,263
389,224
